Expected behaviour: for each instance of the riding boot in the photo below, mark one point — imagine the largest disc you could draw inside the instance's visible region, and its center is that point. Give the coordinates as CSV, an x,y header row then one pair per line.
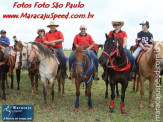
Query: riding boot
x,y
133,72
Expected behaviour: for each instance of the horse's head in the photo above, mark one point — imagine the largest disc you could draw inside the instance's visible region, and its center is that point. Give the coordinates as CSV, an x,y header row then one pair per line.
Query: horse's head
x,y
80,56
158,47
112,48
18,48
28,54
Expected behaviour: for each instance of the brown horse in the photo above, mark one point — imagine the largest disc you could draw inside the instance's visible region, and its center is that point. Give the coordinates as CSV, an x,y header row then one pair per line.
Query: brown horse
x,y
33,71
147,66
83,72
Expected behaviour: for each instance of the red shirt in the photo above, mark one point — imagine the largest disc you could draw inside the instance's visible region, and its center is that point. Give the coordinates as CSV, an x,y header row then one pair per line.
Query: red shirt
x,y
52,36
83,40
121,36
40,40
95,48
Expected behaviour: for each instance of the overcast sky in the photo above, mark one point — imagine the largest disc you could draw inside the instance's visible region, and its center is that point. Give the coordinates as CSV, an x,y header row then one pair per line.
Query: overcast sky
x,y
132,12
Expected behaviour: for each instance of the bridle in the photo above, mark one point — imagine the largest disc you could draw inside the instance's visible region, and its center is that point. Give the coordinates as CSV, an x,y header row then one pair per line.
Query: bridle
x,y
33,49
89,69
116,51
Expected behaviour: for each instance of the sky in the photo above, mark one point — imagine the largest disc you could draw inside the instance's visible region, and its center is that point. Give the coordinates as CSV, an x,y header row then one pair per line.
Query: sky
x,y
105,11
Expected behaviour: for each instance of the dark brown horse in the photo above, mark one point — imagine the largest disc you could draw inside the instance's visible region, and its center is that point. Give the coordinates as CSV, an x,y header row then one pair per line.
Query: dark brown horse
x,y
115,59
33,71
3,73
83,72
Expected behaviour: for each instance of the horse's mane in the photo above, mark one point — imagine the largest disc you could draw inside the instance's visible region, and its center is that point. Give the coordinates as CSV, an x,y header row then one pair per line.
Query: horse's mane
x,y
43,50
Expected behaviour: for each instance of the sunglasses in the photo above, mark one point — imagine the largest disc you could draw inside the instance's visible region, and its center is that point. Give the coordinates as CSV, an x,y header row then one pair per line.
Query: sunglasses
x,y
116,24
41,31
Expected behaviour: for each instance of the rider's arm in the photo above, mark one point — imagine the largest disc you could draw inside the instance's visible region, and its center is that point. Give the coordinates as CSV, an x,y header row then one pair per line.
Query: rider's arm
x,y
91,43
61,38
124,42
5,43
142,46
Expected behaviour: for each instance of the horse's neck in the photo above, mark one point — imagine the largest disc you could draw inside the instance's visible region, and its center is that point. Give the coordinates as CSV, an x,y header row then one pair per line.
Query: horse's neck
x,y
121,59
150,58
88,63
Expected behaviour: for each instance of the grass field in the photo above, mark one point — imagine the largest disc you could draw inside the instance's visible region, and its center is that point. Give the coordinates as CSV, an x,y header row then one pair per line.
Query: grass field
x,y
64,110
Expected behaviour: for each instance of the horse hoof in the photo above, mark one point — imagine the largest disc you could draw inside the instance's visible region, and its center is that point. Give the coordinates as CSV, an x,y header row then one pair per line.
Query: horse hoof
x,y
141,106
53,106
123,111
63,95
106,97
18,88
76,109
151,105
36,95
111,109
90,109
11,87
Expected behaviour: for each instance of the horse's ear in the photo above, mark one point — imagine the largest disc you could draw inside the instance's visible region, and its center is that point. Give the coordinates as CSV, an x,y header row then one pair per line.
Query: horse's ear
x,y
24,44
106,35
154,42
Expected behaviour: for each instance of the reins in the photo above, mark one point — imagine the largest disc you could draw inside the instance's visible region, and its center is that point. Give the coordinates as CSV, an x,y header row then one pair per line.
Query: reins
x,y
116,67
89,69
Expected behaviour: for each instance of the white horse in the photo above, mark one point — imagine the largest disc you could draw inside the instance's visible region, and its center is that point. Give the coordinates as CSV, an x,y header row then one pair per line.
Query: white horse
x,y
48,64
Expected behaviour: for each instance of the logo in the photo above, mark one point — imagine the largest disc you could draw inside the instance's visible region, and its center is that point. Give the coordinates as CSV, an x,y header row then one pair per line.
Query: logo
x,y
17,112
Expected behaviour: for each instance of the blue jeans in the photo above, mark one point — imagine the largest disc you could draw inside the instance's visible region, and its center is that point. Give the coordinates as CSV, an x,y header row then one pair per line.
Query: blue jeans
x,y
93,55
131,57
7,49
63,59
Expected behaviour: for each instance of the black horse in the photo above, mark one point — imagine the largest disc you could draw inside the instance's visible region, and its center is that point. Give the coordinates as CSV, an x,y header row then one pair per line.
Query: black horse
x,y
114,59
3,72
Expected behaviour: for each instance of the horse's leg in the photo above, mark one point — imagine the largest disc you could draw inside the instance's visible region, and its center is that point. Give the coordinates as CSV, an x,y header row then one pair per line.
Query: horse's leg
x,y
59,83
112,85
77,83
63,86
106,82
3,74
12,79
44,90
151,80
18,71
141,91
6,81
31,75
89,95
52,91
36,83
124,86
137,83
117,91
134,83
85,89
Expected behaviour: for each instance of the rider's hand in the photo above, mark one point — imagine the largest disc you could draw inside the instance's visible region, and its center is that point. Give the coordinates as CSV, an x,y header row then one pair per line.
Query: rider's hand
x,y
145,48
146,45
53,44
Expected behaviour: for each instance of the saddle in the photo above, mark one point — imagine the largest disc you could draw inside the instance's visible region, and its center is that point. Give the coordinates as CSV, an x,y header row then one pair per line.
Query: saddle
x,y
140,55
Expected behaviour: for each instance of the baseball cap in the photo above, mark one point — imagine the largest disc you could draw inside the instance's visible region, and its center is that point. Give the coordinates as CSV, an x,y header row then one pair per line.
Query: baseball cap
x,y
145,23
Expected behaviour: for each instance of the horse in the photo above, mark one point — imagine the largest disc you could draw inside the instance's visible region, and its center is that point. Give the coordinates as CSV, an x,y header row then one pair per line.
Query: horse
x,y
83,71
3,73
133,48
48,64
33,71
146,71
115,59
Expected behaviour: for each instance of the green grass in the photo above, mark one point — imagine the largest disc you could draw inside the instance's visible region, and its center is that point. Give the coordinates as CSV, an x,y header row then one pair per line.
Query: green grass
x,y
64,110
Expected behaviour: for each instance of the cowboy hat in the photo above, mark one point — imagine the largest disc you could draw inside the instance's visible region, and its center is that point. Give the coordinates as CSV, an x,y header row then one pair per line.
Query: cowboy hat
x,y
83,26
121,22
52,23
40,29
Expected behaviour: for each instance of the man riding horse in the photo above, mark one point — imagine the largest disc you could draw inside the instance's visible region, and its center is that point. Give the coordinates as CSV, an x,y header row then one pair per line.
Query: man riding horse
x,y
144,38
4,42
54,39
84,39
122,36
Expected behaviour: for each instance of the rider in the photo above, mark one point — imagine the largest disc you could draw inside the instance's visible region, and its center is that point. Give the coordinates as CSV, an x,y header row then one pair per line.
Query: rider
x,y
118,33
95,49
40,37
15,39
5,42
54,38
144,38
84,39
